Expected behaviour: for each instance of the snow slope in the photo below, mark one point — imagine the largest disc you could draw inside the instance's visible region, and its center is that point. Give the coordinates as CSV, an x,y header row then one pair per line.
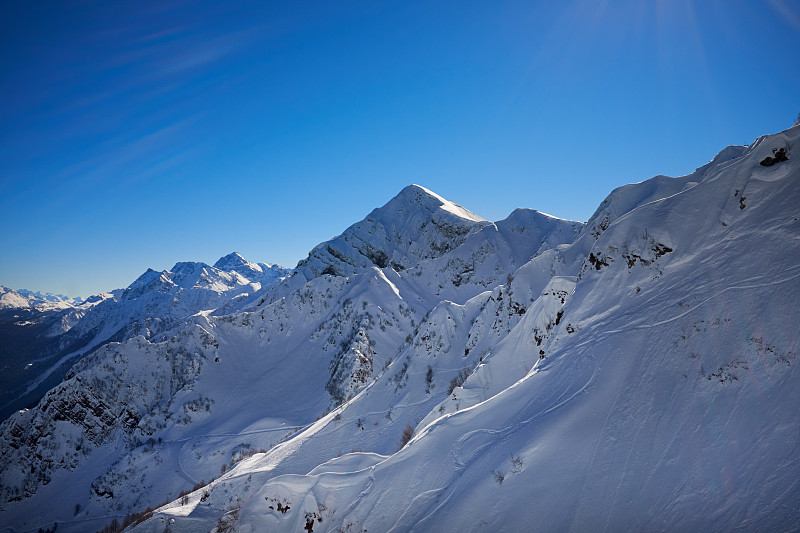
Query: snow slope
x,y
164,402
636,373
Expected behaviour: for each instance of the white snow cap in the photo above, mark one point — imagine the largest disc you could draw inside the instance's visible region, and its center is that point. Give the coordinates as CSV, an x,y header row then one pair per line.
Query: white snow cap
x,y
234,260
413,191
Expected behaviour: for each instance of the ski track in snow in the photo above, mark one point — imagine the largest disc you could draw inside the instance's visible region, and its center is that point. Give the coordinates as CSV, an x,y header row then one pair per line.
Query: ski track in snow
x,y
176,458
503,433
499,435
177,446
692,310
217,435
425,498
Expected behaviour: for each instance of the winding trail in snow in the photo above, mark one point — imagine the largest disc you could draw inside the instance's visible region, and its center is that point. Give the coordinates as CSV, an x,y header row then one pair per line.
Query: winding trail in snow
x,y
175,452
176,446
497,435
634,326
462,458
506,431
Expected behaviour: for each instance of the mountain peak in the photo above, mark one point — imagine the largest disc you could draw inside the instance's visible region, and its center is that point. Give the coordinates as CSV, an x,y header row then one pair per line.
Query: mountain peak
x,y
231,258
419,195
415,225
234,260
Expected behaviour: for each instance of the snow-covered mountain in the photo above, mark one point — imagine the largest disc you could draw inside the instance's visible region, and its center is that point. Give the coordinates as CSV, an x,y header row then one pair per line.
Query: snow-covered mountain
x,y
25,299
428,370
40,353
31,328
156,301
415,225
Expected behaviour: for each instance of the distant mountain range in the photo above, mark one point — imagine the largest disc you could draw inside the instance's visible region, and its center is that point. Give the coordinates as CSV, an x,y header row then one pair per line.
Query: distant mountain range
x,y
429,370
25,299
45,334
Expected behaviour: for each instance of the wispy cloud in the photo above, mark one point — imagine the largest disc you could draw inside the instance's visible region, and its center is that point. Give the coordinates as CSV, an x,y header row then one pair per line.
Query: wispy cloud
x,y
788,11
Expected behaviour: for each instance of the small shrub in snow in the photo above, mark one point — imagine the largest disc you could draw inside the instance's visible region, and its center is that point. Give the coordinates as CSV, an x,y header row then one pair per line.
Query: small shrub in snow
x,y
408,433
283,506
780,155
458,379
499,477
516,464
310,518
227,523
130,520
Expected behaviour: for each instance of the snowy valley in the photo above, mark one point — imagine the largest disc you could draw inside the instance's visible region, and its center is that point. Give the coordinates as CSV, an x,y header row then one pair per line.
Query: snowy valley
x,y
429,370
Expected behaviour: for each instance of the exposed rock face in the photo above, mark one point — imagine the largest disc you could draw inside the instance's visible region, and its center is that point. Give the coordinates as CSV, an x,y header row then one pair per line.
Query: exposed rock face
x,y
415,225
105,399
352,369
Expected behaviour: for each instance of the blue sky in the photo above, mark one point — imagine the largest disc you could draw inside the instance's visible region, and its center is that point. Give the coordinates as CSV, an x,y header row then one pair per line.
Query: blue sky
x,y
139,134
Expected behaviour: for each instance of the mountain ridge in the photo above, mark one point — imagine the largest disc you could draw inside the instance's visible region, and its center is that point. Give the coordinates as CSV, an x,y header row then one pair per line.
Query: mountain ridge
x,y
151,305
451,386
